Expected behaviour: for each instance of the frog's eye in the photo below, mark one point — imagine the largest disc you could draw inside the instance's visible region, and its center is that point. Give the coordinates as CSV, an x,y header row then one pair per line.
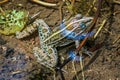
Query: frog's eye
x,y
82,25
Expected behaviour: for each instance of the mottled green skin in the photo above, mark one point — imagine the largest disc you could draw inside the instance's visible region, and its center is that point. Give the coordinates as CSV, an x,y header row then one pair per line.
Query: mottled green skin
x,y
12,21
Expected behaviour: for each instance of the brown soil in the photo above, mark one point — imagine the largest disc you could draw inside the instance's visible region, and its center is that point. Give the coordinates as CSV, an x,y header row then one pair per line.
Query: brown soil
x,y
105,63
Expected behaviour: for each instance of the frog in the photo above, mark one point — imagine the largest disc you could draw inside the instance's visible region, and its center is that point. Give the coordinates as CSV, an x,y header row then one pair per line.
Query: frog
x,y
47,54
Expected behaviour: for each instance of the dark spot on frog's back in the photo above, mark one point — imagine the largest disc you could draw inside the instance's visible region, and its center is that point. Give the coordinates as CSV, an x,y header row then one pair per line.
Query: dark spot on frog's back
x,y
40,34
50,50
44,30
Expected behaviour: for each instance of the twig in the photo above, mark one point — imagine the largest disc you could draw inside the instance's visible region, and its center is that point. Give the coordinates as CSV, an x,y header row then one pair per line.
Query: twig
x,y
81,64
73,63
108,31
103,23
32,19
44,3
60,10
116,39
117,2
1,2
116,12
35,15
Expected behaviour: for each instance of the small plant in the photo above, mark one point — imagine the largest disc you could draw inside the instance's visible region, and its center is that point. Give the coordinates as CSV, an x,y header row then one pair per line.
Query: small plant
x,y
12,21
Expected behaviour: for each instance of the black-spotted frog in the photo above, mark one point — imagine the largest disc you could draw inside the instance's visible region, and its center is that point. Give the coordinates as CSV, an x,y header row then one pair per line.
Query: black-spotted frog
x,y
47,55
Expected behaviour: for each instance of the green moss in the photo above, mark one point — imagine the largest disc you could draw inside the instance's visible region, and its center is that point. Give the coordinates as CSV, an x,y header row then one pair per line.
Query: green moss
x,y
12,21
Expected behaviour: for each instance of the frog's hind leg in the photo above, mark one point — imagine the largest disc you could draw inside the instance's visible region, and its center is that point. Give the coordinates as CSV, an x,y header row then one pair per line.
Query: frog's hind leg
x,y
43,59
49,52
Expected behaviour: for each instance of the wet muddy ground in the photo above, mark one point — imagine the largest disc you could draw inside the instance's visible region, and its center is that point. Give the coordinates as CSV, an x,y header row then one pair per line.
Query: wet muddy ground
x,y
103,65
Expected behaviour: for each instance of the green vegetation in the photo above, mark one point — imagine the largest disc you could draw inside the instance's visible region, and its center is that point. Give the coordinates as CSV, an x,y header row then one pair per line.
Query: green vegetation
x,y
12,21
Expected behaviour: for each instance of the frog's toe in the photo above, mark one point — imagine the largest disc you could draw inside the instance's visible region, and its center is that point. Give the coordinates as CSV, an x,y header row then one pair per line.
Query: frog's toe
x,y
89,53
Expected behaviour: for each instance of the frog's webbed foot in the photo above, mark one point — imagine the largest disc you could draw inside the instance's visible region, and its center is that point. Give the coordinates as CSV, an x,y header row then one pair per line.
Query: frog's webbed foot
x,y
43,58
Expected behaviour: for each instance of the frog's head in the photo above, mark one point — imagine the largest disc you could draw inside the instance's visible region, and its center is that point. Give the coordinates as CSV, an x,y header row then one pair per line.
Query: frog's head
x,y
81,21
